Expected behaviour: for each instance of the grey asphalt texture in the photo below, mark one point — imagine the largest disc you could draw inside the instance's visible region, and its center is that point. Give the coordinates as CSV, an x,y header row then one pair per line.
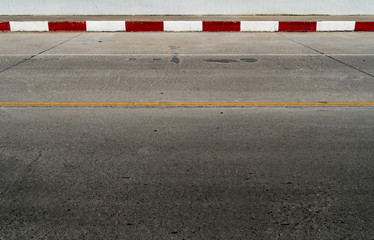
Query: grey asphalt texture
x,y
187,172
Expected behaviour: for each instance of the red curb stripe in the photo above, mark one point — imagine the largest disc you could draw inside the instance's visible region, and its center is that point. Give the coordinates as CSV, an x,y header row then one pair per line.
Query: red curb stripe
x,y
4,26
297,26
364,26
67,26
220,26
144,26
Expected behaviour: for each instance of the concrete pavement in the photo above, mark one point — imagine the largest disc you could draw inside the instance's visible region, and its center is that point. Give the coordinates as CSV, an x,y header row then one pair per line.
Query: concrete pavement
x,y
187,67
216,173
186,172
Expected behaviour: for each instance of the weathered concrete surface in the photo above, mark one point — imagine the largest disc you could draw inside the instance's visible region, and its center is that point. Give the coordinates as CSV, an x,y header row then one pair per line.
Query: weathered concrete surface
x,y
186,173
180,173
187,67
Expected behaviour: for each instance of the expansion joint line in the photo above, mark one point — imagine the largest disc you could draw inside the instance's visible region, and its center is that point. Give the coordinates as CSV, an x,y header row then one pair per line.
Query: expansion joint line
x,y
328,56
35,55
27,169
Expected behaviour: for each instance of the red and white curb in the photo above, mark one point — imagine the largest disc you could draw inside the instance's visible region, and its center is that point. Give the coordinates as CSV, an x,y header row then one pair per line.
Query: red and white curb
x,y
187,26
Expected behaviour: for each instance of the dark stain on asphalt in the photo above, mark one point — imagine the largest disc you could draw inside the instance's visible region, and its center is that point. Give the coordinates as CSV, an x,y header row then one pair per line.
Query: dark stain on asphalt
x,y
132,59
221,60
175,60
231,60
157,59
287,183
248,59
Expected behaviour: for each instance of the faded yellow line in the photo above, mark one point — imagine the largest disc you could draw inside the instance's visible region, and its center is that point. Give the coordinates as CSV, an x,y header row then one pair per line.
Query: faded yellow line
x,y
365,103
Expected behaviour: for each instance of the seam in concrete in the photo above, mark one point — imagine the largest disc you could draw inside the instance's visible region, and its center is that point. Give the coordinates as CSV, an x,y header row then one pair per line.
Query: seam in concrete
x,y
328,56
21,175
35,55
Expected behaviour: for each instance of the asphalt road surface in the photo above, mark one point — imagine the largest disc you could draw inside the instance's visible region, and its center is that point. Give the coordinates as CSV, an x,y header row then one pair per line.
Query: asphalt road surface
x,y
186,172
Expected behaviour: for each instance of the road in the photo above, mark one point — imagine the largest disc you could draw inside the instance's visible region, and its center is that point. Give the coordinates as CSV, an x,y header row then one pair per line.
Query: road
x,y
186,172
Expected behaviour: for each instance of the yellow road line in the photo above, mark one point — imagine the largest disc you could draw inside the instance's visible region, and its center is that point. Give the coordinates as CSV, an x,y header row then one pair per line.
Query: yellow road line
x,y
365,103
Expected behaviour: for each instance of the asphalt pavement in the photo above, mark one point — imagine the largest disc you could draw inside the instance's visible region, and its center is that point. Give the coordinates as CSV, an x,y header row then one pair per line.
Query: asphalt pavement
x,y
158,172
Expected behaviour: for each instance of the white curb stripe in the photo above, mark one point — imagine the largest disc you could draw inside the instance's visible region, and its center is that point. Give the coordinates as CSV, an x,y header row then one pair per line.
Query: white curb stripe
x,y
183,26
41,26
328,26
259,26
105,26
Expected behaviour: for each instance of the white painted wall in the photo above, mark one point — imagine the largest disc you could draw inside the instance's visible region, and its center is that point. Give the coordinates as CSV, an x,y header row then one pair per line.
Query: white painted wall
x,y
185,7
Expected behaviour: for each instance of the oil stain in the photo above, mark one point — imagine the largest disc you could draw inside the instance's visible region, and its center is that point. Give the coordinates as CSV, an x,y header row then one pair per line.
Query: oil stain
x,y
221,60
248,59
175,60
231,60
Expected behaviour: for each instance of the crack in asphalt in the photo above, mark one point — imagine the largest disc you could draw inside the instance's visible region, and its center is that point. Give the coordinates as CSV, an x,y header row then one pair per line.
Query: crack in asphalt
x,y
328,56
40,152
35,55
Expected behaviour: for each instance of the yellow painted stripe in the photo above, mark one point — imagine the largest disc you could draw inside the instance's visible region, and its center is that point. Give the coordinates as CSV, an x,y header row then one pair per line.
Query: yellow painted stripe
x,y
367,103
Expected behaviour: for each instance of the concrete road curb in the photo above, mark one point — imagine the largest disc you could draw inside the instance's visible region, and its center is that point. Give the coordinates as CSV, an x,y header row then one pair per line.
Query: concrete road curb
x,y
187,26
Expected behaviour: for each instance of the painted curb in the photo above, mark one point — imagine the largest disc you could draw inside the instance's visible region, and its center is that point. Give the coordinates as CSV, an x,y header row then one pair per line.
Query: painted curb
x,y
364,26
144,26
330,26
106,26
183,26
4,26
186,26
298,26
221,26
67,26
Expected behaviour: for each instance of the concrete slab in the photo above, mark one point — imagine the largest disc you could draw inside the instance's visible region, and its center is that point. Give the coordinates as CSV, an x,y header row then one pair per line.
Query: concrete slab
x,y
189,173
188,67
203,78
186,172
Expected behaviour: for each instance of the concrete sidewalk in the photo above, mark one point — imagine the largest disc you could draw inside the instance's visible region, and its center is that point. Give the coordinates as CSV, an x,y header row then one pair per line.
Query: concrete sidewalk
x,y
186,18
